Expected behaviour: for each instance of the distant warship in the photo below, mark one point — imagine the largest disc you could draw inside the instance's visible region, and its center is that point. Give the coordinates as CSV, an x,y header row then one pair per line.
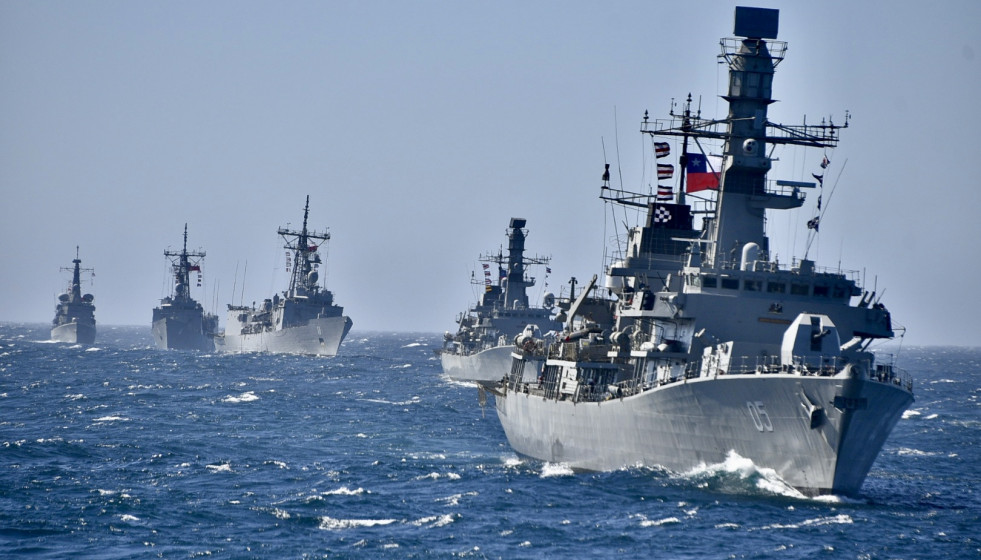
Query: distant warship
x,y
719,349
304,320
481,348
75,314
180,323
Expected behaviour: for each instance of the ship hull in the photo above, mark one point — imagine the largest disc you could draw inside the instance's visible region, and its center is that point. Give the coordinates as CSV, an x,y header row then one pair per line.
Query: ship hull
x,y
487,366
699,422
75,333
181,330
317,337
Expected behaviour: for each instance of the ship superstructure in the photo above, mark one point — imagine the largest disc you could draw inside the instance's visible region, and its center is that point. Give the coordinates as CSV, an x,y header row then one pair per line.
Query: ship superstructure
x,y
480,350
304,318
726,351
75,313
180,322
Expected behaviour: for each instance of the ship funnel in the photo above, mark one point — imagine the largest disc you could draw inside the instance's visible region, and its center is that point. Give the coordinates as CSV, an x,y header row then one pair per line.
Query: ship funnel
x,y
751,254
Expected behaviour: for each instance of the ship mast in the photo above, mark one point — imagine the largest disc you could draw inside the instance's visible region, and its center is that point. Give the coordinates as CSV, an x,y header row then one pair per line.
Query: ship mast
x,y
744,196
303,279
516,285
76,288
183,264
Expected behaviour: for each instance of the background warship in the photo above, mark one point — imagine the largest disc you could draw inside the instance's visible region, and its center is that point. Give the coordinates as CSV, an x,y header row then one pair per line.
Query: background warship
x,y
480,351
180,323
75,314
304,320
730,352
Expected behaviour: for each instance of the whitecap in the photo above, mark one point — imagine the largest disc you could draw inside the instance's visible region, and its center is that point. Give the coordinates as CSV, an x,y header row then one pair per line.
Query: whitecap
x,y
280,514
413,400
247,396
345,491
128,517
659,522
223,467
908,452
556,469
331,524
454,500
911,413
413,345
93,349
111,419
840,519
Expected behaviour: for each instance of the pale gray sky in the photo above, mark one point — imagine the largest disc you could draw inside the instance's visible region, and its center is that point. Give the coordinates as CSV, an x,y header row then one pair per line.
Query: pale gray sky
x,y
420,128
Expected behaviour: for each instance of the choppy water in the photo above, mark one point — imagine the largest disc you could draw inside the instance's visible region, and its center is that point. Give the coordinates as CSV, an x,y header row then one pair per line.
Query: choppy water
x,y
123,451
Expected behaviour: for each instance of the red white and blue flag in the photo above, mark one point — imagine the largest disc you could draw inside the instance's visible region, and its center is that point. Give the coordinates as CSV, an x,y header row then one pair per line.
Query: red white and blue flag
x,y
703,172
665,170
662,149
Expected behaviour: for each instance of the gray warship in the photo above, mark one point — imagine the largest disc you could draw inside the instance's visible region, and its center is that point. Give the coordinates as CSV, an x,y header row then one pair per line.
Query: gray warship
x,y
304,320
718,349
75,314
480,351
180,323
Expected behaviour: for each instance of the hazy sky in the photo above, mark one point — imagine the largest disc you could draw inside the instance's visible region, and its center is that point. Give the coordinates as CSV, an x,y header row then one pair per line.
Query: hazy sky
x,y
420,128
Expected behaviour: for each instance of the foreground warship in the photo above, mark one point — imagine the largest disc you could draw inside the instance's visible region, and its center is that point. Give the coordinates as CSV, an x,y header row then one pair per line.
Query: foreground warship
x,y
480,351
304,320
180,323
75,314
718,349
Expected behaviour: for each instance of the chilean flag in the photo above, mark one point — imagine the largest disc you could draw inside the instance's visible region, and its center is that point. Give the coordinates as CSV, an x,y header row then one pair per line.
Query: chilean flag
x,y
703,172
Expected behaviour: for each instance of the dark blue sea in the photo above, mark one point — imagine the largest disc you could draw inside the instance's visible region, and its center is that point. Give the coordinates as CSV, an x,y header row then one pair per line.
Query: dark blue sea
x,y
124,451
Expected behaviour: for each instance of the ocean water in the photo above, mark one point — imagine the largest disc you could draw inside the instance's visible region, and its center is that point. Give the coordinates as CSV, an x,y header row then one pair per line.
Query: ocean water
x,y
123,451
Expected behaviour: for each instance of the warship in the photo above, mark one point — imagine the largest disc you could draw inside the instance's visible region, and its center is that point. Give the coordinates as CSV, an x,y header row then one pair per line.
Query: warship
x,y
75,314
180,323
304,320
480,351
720,350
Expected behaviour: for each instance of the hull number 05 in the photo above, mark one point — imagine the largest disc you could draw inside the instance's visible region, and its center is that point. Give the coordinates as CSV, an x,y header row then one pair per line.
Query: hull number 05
x,y
757,411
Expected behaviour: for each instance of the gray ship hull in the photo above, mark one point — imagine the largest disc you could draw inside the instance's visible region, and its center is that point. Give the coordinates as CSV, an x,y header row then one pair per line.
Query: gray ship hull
x,y
487,366
181,330
75,333
318,337
680,426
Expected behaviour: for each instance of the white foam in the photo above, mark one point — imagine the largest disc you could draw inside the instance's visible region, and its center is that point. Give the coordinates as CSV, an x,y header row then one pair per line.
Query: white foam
x,y
556,469
435,520
766,478
659,522
223,467
247,396
413,400
413,345
908,452
454,500
345,491
331,524
128,517
437,476
910,413
840,519
111,419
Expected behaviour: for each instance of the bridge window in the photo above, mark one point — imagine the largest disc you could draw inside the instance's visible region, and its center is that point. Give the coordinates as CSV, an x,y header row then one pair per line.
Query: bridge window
x,y
776,287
